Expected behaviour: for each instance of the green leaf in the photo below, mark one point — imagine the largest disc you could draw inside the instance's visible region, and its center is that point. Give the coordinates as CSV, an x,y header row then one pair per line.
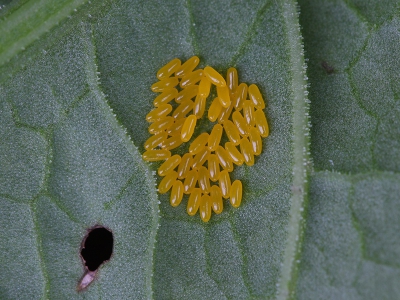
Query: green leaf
x,y
73,125
67,165
352,246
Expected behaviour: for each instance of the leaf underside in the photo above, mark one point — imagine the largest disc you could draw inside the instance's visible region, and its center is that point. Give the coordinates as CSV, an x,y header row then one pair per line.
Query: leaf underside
x,y
352,246
74,92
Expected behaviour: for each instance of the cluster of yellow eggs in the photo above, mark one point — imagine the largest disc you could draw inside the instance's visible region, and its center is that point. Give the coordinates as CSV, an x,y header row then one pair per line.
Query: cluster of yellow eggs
x,y
171,126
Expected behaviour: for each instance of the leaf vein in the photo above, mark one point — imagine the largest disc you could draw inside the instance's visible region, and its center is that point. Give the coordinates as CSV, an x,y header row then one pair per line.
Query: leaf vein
x,y
64,210
192,32
236,238
11,198
250,33
350,6
301,162
42,263
208,267
24,14
109,204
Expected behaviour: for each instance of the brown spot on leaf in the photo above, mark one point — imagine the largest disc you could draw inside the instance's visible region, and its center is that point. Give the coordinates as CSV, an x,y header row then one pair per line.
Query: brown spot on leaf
x,y
328,68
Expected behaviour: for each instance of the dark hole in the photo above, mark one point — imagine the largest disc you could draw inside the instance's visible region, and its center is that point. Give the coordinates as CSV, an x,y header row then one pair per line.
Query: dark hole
x,y
97,248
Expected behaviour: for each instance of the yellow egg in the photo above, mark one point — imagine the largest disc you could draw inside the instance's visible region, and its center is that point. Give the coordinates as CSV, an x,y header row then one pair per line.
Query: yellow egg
x,y
176,127
215,137
187,93
232,132
205,208
240,123
156,155
200,158
255,97
204,180
169,68
194,202
223,96
236,193
176,193
261,122
166,96
188,128
248,113
173,142
167,182
185,165
169,165
161,125
187,67
255,141
190,181
204,87
213,167
225,184
214,77
214,110
233,152
199,106
183,109
216,199
164,84
224,158
239,96
158,113
232,80
155,141
247,151
225,114
199,143
191,78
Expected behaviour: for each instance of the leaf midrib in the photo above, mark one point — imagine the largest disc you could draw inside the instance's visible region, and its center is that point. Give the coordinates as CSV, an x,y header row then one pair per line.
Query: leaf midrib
x,y
301,159
12,44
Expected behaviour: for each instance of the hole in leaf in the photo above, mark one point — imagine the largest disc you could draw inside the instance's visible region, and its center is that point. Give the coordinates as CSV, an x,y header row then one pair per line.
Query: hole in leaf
x,y
97,247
